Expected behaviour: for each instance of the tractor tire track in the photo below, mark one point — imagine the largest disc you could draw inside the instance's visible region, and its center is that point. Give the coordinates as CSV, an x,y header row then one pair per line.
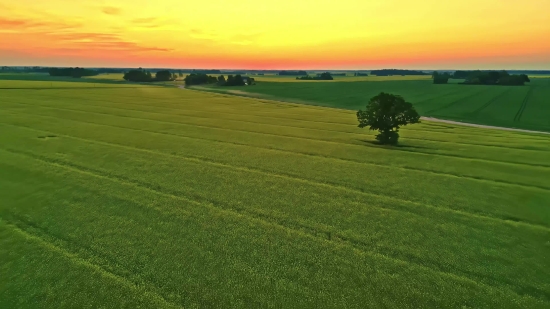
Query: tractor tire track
x,y
517,118
484,106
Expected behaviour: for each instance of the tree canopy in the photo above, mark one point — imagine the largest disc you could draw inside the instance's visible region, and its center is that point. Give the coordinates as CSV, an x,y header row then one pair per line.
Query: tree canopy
x,y
322,76
440,78
139,75
71,72
387,113
236,80
164,76
292,73
199,78
491,78
390,72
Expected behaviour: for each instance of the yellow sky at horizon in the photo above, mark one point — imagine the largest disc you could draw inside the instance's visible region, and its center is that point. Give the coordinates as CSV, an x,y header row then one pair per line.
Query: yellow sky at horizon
x,y
276,34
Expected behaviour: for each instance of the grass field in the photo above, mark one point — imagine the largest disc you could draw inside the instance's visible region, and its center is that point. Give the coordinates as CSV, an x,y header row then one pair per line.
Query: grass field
x,y
159,197
525,107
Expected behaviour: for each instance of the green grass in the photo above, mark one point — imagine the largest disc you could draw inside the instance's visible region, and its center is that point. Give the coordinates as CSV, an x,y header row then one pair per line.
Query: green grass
x,y
157,197
516,107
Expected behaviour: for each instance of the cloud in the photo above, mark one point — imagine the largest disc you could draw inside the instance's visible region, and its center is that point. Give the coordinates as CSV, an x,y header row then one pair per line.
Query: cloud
x,y
245,39
236,39
151,22
12,25
100,41
204,35
146,20
111,10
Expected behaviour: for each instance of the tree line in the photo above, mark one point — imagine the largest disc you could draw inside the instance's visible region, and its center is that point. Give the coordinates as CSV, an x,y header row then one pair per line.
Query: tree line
x,y
391,72
482,78
292,73
72,72
322,76
141,75
232,80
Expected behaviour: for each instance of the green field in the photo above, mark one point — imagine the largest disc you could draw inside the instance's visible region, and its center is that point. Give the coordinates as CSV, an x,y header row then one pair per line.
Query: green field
x,y
526,107
158,197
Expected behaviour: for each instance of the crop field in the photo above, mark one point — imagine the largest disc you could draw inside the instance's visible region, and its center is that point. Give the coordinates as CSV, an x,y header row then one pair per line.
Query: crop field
x,y
526,107
159,197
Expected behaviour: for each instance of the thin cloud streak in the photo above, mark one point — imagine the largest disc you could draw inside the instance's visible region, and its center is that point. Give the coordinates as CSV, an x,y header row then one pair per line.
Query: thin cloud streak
x,y
111,10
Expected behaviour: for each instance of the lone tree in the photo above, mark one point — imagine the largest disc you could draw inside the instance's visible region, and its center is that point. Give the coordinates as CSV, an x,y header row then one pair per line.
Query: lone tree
x,y
386,113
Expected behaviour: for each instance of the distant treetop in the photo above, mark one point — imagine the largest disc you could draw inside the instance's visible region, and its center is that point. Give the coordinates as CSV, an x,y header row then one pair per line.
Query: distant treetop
x,y
71,72
491,78
322,76
292,73
391,72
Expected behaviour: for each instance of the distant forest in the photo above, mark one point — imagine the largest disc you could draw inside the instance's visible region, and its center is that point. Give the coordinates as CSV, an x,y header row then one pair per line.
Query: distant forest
x,y
206,71
360,74
322,76
391,72
100,70
141,75
200,79
72,72
482,78
292,73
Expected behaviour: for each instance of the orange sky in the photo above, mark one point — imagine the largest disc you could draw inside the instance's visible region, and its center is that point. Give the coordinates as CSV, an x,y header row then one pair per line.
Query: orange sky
x,y
266,34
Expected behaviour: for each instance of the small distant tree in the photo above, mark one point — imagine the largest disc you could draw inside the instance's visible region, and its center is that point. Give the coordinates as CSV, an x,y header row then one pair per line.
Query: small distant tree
x,y
221,80
163,75
236,80
180,74
387,113
440,78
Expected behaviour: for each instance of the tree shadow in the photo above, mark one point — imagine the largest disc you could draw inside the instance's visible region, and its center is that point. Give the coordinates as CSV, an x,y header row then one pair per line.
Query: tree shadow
x,y
399,146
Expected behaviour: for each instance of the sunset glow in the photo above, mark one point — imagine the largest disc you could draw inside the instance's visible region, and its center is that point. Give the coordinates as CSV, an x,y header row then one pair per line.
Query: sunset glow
x,y
290,34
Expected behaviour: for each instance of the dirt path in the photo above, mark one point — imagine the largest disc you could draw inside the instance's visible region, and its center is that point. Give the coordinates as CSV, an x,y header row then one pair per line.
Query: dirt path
x,y
480,125
254,95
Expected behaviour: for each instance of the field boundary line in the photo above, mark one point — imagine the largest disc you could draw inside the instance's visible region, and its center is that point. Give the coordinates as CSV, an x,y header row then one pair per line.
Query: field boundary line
x,y
196,159
482,126
260,219
427,118
457,124
82,262
296,137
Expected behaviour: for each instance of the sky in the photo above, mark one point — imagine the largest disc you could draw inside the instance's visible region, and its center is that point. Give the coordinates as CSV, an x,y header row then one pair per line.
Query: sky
x,y
280,34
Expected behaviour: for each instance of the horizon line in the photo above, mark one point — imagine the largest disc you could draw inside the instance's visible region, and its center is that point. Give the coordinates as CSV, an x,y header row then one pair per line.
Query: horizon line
x,y
242,69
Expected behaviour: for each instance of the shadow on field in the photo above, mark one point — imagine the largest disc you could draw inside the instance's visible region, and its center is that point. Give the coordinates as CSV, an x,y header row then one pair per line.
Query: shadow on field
x,y
400,146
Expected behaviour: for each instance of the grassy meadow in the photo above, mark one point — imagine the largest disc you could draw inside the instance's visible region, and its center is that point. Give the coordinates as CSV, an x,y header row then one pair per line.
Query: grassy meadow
x,y
524,107
158,197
